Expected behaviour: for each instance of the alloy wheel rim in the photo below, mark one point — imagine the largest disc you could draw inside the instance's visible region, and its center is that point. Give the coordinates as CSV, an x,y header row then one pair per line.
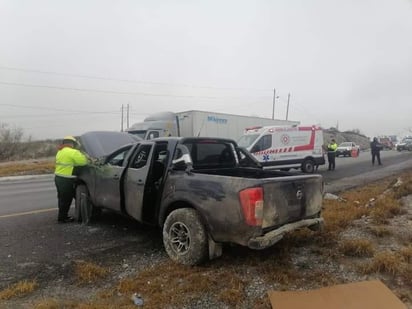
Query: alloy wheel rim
x,y
180,238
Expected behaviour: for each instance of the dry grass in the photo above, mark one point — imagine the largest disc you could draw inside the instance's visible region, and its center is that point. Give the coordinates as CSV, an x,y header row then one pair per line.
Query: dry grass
x,y
19,289
166,283
47,304
405,188
406,254
87,272
65,304
384,262
357,247
27,168
379,231
385,208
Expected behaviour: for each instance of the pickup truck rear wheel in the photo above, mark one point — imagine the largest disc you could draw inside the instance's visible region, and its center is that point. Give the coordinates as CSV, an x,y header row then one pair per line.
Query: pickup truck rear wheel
x,y
185,237
308,166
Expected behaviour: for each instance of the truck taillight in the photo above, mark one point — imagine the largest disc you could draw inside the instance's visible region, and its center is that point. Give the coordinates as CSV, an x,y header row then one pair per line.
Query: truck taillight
x,y
252,205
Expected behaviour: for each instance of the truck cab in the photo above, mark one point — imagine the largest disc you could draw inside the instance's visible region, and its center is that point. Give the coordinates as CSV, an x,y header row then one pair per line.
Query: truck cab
x,y
158,125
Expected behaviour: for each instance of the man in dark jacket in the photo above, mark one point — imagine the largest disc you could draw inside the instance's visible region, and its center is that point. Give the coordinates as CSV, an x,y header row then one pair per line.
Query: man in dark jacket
x,y
376,148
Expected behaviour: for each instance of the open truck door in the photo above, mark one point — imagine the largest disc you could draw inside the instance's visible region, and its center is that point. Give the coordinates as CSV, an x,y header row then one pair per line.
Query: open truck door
x,y
144,180
136,180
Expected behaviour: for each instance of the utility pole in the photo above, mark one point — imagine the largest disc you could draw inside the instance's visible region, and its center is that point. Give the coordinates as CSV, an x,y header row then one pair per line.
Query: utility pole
x,y
287,109
274,101
121,126
127,117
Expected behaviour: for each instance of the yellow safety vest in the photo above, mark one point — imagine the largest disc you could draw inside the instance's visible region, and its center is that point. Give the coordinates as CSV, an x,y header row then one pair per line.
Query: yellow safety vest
x,y
332,147
67,159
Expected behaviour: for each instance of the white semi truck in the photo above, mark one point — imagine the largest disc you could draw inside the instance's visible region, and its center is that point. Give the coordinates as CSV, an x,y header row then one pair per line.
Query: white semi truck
x,y
200,123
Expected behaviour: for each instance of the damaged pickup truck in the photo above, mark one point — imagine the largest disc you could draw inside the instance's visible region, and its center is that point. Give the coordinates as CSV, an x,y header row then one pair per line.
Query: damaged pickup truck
x,y
202,192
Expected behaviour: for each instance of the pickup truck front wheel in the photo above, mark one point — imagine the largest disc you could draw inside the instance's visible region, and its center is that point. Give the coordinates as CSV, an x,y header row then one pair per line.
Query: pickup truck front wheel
x,y
185,237
83,209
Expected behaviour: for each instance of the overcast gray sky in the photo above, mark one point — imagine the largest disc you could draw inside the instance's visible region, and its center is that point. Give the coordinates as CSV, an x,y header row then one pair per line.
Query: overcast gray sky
x,y
67,67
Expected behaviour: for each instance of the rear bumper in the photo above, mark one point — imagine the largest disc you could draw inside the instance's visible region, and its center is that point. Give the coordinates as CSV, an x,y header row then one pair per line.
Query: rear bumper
x,y
272,237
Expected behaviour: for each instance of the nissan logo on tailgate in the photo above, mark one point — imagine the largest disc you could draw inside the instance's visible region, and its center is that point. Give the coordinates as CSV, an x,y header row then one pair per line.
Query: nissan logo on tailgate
x,y
299,194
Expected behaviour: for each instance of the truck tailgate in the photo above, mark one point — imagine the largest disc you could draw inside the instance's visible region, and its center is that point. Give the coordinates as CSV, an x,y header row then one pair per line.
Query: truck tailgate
x,y
290,200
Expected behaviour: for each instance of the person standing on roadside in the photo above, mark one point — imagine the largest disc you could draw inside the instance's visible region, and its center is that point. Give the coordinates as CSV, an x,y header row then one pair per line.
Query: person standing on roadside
x,y
331,148
67,158
376,148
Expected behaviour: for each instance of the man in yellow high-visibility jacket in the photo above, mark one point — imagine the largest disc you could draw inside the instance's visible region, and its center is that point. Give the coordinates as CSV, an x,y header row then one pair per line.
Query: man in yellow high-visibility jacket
x,y
332,146
67,158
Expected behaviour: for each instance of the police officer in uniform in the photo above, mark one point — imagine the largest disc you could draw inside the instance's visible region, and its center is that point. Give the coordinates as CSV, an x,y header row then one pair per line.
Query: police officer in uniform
x,y
67,158
332,154
376,148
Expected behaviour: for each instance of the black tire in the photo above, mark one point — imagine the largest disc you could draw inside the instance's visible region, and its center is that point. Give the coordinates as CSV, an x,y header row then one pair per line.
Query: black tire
x,y
77,211
308,166
185,237
83,211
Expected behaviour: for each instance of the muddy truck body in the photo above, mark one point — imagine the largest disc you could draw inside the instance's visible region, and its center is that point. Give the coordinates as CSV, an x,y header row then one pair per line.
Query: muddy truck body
x,y
202,193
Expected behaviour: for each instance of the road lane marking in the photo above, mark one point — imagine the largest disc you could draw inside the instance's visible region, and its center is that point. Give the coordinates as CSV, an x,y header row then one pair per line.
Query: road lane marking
x,y
27,213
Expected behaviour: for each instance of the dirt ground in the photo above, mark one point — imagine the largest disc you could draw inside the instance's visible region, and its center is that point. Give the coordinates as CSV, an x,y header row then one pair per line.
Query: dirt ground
x,y
245,274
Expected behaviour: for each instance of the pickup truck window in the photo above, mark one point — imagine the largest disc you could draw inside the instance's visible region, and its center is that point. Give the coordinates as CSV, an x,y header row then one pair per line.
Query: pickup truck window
x,y
117,158
211,154
160,161
140,159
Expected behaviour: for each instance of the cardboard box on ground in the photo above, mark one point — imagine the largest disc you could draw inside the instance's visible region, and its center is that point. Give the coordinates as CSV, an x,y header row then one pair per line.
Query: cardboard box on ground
x,y
360,295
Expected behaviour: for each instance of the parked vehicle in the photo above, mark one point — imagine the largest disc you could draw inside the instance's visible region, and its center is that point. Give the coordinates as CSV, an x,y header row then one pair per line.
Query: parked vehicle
x,y
347,149
285,147
201,192
405,144
199,123
386,142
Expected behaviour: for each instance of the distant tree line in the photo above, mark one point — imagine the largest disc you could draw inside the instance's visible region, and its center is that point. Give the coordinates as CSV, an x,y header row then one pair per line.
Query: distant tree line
x,y
15,146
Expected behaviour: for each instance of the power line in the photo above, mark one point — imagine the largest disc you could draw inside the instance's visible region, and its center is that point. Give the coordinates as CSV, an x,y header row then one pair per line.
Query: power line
x,y
125,80
58,109
103,91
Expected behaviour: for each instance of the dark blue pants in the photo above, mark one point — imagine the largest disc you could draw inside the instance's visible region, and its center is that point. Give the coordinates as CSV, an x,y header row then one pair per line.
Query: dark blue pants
x,y
331,160
377,155
65,195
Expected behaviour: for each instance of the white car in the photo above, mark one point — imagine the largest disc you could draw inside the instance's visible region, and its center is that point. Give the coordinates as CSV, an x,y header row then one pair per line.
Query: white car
x,y
347,149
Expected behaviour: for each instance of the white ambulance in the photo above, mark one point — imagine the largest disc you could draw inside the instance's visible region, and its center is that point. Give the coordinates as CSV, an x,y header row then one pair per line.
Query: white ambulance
x,y
286,147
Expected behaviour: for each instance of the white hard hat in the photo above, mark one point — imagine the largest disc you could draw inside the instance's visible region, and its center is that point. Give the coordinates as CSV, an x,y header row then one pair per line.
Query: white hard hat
x,y
70,138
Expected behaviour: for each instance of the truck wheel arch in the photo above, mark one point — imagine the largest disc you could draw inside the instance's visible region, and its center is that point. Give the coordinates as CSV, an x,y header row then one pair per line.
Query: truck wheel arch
x,y
178,204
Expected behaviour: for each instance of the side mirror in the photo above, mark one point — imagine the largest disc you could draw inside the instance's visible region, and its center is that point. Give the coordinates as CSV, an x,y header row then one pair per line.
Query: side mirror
x,y
183,163
99,161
